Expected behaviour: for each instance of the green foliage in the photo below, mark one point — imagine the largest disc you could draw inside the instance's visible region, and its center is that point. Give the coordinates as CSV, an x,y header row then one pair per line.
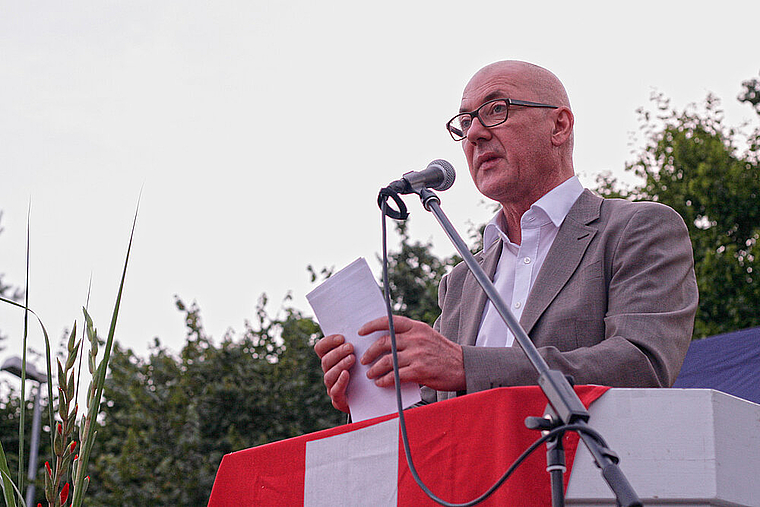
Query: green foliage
x,y
170,419
751,93
693,162
413,276
10,492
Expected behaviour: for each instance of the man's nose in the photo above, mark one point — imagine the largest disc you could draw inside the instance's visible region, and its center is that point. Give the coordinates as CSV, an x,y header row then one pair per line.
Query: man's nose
x,y
477,131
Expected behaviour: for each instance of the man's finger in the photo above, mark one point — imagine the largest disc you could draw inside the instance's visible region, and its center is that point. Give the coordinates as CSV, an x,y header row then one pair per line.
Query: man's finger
x,y
373,325
335,356
338,391
328,343
332,374
400,324
384,366
379,347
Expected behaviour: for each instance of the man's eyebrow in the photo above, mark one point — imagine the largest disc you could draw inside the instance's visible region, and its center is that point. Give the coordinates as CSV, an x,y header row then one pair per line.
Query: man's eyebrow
x,y
491,96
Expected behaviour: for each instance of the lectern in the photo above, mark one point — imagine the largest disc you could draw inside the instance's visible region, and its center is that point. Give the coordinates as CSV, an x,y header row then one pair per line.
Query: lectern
x,y
685,447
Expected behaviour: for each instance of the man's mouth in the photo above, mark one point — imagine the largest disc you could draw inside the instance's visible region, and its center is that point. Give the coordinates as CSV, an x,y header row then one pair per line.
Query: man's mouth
x,y
486,160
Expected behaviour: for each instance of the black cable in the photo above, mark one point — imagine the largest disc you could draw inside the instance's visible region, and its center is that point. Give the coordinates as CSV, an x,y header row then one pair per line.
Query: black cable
x,y
399,404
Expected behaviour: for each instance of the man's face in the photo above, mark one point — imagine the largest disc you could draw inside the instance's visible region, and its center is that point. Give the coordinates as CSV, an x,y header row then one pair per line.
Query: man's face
x,y
511,161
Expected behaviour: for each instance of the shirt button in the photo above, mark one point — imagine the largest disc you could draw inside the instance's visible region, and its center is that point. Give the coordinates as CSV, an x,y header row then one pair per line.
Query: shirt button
x,y
526,260
517,305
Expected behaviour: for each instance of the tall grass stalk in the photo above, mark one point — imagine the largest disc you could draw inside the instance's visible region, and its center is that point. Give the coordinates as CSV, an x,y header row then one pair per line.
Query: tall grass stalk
x,y
9,489
68,381
23,355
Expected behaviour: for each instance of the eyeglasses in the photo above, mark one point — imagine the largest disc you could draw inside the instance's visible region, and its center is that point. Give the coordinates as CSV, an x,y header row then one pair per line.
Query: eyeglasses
x,y
492,113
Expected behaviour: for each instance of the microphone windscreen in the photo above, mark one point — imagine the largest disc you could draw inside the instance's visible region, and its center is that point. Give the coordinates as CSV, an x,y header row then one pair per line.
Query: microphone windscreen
x,y
449,174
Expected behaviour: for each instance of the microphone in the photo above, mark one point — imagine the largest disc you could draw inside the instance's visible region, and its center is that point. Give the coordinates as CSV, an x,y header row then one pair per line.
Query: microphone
x,y
438,175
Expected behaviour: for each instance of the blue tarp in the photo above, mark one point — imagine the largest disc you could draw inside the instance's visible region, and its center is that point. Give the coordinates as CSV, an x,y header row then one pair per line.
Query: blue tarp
x,y
727,362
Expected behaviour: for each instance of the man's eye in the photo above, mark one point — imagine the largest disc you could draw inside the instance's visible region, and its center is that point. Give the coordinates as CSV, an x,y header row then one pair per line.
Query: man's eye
x,y
499,108
495,109
465,122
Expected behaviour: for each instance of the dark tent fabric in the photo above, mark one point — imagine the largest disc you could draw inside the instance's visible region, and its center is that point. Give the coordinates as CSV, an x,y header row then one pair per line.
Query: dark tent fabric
x,y
727,362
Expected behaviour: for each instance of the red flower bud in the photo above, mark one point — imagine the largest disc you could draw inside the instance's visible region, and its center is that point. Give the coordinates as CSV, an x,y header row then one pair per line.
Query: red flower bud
x,y
59,428
72,447
64,493
47,467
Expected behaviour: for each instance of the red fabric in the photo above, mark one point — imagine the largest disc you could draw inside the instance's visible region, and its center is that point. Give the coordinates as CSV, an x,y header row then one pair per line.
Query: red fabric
x,y
271,474
460,447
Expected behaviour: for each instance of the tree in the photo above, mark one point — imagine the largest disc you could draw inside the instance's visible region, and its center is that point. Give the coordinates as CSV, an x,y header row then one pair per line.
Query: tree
x,y
414,273
751,93
709,173
170,419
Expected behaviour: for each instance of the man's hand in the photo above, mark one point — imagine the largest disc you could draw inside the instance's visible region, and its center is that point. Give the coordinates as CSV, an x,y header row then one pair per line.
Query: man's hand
x,y
425,356
337,357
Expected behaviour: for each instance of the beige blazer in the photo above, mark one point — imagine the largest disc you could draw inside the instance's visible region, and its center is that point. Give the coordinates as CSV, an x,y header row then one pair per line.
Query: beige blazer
x,y
613,304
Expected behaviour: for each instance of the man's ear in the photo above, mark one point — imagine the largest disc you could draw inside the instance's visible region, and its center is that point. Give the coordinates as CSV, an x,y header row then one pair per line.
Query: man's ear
x,y
563,125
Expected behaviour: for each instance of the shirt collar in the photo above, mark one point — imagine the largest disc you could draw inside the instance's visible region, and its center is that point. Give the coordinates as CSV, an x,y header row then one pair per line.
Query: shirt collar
x,y
556,204
493,230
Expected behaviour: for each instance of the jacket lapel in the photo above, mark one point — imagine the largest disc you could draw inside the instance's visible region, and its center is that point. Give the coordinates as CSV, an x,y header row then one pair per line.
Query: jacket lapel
x,y
472,309
563,258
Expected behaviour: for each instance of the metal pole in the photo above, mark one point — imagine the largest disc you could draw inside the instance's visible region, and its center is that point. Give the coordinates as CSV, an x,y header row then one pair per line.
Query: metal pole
x,y
36,423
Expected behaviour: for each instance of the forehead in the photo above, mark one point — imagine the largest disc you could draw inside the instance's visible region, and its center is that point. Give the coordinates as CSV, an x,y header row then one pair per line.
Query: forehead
x,y
489,85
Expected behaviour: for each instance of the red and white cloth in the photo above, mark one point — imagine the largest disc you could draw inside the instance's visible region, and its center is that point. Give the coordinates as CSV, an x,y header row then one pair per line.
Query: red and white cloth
x,y
460,447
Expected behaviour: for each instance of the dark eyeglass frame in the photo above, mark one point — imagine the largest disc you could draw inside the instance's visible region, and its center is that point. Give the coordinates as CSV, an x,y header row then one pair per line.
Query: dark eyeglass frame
x,y
458,135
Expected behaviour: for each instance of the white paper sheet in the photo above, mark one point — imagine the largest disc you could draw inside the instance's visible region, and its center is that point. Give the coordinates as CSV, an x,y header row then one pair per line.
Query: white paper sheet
x,y
344,303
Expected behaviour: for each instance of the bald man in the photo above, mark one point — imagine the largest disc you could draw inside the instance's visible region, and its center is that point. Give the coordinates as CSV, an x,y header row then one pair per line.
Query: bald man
x,y
604,288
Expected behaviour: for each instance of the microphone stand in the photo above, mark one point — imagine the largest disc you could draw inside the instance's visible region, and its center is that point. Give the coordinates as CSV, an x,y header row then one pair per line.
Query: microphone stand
x,y
567,406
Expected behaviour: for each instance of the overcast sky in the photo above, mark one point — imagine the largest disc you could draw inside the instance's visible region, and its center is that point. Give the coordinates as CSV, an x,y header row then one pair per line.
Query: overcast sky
x,y
260,132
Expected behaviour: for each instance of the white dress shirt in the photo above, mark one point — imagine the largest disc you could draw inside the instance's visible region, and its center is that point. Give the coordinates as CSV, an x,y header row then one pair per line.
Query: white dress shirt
x,y
519,264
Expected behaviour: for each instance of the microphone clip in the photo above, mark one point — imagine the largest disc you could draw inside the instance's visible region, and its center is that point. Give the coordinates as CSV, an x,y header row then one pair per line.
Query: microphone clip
x,y
382,201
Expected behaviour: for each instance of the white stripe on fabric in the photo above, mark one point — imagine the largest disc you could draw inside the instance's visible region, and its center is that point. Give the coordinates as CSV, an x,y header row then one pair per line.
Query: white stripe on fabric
x,y
356,468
